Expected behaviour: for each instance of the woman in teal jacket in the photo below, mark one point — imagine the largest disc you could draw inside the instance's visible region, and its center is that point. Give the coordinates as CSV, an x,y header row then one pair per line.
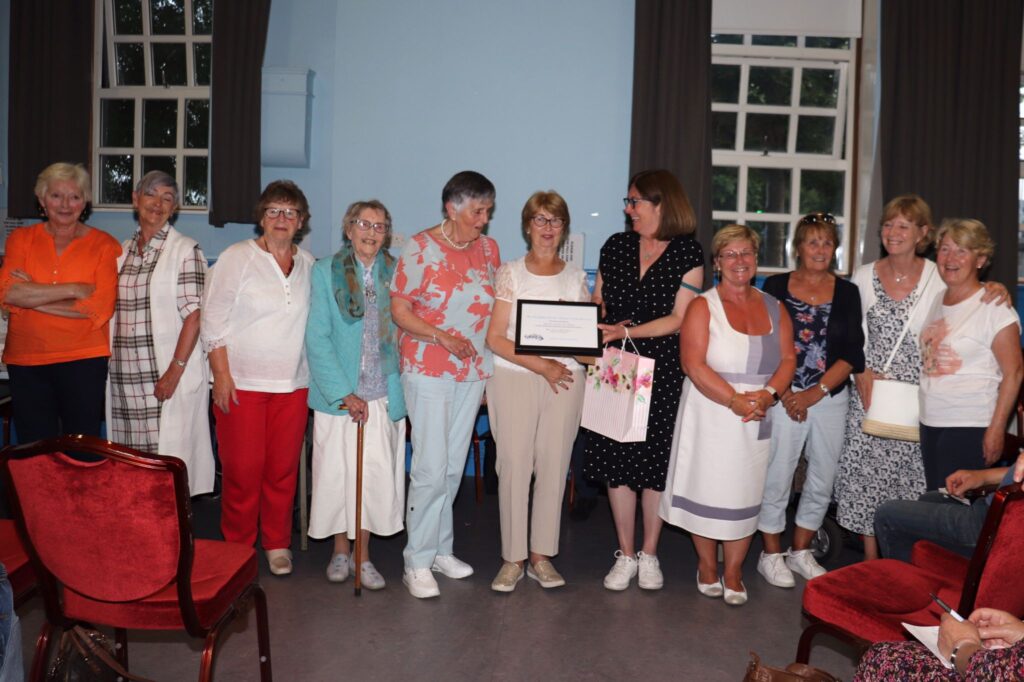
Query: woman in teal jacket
x,y
351,345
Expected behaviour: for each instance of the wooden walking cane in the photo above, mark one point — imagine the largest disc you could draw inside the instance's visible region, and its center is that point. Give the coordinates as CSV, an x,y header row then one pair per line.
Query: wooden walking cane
x,y
359,509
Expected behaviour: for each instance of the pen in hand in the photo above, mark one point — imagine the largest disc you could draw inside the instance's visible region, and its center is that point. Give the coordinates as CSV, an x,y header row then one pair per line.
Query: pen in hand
x,y
945,607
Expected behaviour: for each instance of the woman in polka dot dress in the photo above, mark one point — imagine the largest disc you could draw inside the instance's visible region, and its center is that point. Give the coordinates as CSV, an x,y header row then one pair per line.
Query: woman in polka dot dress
x,y
646,278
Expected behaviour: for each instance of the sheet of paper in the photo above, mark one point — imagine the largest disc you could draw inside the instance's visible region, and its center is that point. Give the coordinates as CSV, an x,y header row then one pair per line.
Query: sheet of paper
x,y
961,500
929,636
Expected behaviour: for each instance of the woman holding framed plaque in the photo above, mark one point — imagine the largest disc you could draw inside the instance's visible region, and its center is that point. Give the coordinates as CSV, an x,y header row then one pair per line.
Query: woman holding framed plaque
x,y
646,278
534,402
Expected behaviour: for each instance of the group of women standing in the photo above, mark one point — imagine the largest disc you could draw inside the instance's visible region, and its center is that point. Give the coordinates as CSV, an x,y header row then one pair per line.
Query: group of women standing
x,y
745,380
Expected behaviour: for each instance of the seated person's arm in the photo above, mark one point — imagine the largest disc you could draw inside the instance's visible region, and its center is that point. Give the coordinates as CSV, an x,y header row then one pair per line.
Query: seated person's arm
x,y
962,481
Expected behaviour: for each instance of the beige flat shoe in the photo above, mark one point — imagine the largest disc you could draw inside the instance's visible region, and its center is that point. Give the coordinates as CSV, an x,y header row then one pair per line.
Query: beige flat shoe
x,y
545,574
508,577
280,561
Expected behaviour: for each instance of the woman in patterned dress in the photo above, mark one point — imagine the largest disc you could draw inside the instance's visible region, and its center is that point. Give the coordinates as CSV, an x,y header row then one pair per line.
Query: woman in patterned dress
x,y
873,470
738,355
158,391
811,413
646,278
441,298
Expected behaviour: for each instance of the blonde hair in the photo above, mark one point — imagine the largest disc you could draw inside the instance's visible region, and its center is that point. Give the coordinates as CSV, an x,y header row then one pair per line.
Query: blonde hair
x,y
550,201
59,171
916,210
733,233
969,234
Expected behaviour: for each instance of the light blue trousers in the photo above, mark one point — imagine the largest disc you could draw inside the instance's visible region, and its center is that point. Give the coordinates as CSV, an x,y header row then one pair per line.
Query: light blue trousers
x,y
443,413
820,436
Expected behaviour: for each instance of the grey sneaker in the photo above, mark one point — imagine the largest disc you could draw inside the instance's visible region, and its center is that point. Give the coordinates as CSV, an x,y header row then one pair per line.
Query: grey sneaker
x,y
773,568
338,569
650,572
802,562
622,572
370,577
508,577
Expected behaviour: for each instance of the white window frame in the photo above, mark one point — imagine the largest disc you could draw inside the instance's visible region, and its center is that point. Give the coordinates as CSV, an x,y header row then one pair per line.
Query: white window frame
x,y
104,24
798,58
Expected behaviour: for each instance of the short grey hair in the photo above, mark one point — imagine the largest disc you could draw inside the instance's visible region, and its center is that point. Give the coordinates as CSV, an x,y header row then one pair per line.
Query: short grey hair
x,y
157,178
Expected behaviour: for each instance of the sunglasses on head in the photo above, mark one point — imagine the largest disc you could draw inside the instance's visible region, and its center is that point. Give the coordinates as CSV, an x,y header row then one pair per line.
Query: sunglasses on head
x,y
818,217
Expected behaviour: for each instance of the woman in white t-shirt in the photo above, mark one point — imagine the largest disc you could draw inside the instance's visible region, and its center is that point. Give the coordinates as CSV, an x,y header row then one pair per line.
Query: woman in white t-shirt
x,y
534,402
253,324
971,360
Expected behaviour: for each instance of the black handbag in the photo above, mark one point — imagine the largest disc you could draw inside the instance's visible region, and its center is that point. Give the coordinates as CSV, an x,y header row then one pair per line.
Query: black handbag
x,y
87,656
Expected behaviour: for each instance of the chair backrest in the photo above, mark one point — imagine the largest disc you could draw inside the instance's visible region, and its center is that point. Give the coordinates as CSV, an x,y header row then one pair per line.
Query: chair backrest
x,y
113,530
998,559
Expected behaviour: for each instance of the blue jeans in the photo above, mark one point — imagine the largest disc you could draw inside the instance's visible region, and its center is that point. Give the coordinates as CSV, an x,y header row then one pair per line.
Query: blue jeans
x,y
11,667
442,413
933,516
820,436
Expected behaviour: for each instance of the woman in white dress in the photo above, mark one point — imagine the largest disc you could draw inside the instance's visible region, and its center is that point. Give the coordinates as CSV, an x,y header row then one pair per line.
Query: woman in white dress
x,y
534,403
352,350
738,356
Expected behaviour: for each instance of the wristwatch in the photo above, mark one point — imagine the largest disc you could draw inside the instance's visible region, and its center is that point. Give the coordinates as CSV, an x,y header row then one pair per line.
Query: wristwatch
x,y
774,394
180,363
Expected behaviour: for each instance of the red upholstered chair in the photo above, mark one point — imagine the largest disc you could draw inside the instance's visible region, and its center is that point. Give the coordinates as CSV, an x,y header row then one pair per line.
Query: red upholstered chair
x,y
111,544
866,602
15,560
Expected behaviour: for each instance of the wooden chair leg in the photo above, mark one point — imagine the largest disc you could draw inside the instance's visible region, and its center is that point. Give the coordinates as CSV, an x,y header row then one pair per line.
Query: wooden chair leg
x,y
42,655
121,646
263,633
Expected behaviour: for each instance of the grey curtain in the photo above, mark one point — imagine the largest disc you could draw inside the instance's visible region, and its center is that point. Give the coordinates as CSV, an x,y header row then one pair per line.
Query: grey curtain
x,y
239,38
672,98
948,125
50,93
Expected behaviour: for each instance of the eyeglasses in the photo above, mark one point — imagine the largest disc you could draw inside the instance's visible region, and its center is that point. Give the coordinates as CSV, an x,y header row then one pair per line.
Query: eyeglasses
x,y
818,217
364,225
544,221
633,201
733,255
164,197
288,213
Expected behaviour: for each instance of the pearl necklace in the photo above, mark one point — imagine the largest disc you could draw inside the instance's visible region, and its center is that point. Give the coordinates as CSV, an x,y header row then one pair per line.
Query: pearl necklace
x,y
449,240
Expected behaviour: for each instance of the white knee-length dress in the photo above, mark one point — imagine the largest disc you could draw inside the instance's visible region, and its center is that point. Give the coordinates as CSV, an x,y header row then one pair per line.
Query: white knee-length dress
x,y
718,465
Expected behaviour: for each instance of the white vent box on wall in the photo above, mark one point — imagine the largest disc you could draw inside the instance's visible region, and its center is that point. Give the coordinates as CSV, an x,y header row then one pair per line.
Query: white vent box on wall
x,y
286,116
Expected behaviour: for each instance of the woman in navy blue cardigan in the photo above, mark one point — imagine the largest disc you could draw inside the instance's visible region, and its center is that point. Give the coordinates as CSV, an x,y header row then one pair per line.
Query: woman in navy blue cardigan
x,y
829,339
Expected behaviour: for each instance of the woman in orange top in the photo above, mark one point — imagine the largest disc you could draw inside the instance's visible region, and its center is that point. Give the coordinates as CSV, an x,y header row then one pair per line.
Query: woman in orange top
x,y
59,283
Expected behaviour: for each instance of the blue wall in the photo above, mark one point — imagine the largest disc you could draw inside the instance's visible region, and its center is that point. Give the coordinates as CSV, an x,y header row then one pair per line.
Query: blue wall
x,y
534,94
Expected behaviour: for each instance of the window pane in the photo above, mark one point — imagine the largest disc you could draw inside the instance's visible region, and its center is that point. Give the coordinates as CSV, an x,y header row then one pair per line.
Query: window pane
x,y
774,41
821,191
168,17
202,17
725,83
130,67
117,123
201,56
727,38
723,129
159,123
770,85
197,123
116,179
831,43
169,64
717,225
162,163
820,88
814,134
766,133
768,190
724,184
195,181
128,17
773,243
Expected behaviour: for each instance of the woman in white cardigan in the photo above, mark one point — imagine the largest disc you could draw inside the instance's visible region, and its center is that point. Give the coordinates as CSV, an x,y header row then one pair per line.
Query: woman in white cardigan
x,y
158,383
895,291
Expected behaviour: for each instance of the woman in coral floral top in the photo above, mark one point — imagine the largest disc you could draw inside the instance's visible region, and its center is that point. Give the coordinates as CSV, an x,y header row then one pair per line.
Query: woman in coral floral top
x,y
441,299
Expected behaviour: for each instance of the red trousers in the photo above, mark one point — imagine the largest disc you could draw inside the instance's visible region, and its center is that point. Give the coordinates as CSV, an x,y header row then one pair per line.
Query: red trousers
x,y
258,442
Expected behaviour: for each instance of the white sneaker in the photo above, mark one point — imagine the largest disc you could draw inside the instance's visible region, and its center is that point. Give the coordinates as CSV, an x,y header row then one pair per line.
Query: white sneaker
x,y
337,570
622,572
650,572
803,563
370,577
420,583
451,566
773,568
